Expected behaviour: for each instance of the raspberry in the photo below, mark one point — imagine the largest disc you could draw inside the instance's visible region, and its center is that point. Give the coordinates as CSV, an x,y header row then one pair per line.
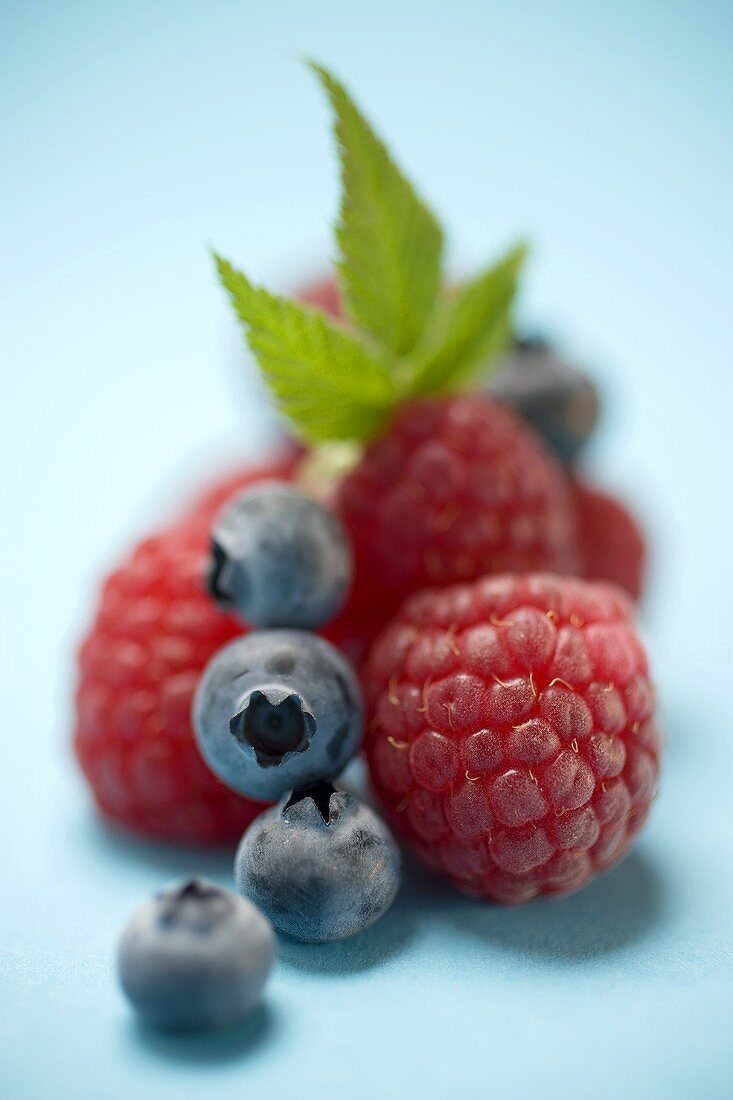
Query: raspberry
x,y
155,630
612,541
457,488
512,732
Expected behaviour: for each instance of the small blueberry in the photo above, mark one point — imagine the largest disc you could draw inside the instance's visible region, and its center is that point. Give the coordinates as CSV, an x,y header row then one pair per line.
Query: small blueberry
x,y
195,957
553,396
279,559
277,709
321,865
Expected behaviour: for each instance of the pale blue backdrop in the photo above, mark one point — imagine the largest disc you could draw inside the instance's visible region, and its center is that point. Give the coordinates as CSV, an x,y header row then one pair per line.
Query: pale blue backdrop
x,y
132,136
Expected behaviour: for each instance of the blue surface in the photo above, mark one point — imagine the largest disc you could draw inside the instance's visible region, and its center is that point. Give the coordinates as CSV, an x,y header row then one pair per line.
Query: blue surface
x,y
133,135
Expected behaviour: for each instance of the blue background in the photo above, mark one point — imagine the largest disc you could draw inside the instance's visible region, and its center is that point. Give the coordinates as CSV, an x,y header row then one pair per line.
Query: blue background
x,y
135,134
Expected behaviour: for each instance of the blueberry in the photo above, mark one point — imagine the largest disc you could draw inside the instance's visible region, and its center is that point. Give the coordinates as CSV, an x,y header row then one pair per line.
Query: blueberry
x,y
279,559
553,396
275,710
195,957
321,865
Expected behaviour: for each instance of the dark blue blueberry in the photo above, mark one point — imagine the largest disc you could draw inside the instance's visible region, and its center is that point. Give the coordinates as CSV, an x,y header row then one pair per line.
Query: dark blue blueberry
x,y
321,865
277,709
553,396
279,559
195,957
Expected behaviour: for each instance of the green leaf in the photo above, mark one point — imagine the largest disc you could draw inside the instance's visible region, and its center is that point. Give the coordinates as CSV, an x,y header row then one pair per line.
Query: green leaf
x,y
390,242
321,377
475,327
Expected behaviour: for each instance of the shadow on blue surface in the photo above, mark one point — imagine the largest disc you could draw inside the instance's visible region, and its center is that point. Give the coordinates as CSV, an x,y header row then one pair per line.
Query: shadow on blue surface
x,y
611,913
235,1041
614,912
171,860
383,941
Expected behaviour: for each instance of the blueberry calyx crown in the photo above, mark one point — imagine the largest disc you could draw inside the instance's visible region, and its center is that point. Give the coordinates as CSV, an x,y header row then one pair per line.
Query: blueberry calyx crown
x,y
195,904
320,794
274,723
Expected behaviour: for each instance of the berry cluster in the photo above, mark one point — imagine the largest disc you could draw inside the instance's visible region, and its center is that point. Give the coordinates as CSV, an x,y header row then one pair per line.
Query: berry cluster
x,y
431,526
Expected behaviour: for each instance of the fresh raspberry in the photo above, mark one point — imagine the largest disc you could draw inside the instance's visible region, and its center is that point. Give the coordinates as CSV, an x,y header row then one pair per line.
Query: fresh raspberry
x,y
456,488
155,630
612,541
512,732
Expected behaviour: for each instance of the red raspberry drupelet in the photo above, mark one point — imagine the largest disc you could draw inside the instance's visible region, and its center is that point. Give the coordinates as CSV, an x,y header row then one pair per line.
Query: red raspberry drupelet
x,y
512,732
155,629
